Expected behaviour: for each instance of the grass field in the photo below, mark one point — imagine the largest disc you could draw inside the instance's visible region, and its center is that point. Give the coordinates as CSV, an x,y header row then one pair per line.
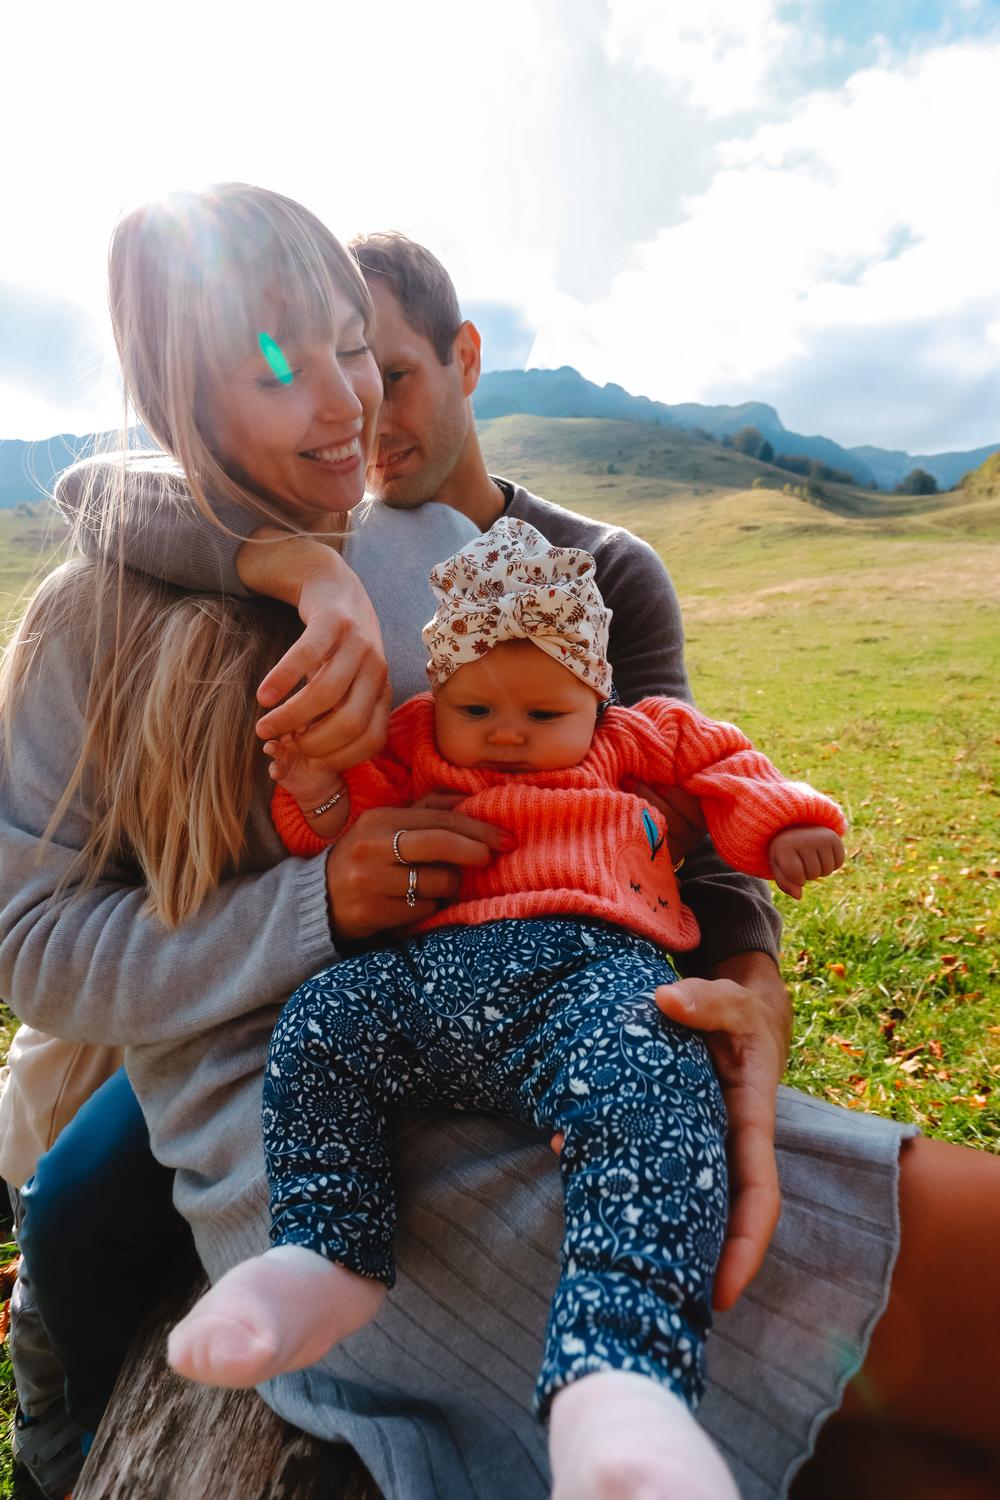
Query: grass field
x,y
858,642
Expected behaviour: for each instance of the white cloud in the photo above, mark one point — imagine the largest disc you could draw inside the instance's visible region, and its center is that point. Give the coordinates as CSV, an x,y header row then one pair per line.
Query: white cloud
x,y
719,52
874,206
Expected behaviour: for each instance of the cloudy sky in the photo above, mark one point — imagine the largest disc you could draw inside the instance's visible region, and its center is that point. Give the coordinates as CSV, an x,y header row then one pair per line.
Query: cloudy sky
x,y
703,200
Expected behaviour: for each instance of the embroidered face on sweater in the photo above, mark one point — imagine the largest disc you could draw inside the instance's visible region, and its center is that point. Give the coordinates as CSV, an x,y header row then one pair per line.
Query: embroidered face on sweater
x,y
514,709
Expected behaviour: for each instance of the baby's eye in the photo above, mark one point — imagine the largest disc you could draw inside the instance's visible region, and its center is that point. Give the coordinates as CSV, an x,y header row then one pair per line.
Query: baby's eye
x,y
543,715
474,710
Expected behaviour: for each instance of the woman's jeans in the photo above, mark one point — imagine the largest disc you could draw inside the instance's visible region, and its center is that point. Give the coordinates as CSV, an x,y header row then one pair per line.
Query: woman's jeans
x,y
102,1241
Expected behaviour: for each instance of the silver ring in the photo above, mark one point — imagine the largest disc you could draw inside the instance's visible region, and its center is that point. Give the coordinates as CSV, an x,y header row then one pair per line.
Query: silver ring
x,y
395,846
411,887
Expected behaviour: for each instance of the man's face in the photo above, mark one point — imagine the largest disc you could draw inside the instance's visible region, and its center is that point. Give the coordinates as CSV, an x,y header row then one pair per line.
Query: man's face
x,y
424,421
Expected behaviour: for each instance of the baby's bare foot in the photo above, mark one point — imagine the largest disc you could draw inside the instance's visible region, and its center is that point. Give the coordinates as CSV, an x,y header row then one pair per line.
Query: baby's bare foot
x,y
278,1312
618,1436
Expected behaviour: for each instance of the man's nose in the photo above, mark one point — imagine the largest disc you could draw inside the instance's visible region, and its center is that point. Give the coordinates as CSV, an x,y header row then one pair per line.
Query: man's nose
x,y
384,424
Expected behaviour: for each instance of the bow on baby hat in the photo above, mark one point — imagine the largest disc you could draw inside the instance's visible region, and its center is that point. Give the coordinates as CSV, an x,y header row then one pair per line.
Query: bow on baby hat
x,y
510,584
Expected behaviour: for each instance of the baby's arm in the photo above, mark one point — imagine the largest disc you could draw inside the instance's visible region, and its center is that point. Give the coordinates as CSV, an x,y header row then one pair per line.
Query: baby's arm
x,y
384,781
318,789
759,821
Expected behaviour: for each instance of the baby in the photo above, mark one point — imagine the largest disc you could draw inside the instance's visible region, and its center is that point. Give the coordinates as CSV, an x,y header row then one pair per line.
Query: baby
x,y
531,994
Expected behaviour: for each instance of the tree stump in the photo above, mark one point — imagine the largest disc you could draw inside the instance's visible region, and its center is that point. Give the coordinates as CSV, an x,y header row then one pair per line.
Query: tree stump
x,y
165,1438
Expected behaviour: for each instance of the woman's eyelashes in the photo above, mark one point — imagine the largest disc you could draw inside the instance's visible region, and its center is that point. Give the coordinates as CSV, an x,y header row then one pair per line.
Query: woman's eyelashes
x,y
271,383
276,383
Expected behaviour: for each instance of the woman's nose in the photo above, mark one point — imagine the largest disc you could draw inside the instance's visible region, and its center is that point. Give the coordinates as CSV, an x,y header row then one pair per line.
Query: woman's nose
x,y
338,400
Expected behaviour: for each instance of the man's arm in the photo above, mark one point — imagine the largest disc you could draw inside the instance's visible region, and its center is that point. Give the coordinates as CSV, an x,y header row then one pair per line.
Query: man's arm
x,y
735,912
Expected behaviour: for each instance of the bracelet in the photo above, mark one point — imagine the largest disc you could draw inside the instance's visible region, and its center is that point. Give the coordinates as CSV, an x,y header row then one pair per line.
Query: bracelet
x,y
325,807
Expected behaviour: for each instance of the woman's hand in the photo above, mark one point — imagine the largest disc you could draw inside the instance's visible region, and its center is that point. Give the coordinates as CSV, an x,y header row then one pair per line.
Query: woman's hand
x,y
682,813
340,714
745,1017
368,885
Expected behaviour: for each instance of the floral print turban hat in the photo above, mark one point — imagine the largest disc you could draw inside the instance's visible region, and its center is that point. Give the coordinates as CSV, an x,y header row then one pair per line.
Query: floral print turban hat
x,y
510,585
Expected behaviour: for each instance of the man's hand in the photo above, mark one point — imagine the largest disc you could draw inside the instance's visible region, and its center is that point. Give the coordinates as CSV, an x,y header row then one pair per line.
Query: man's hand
x,y
745,1016
340,714
803,853
682,812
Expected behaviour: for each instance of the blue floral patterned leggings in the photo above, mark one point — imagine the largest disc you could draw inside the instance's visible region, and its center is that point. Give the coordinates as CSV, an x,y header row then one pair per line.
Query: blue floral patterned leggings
x,y
550,1021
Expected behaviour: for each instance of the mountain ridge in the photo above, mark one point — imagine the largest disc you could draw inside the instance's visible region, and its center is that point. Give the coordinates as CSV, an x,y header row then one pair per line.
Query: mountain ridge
x,y
28,469
564,392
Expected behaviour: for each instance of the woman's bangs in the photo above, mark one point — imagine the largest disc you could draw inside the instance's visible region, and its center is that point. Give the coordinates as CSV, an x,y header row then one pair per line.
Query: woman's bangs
x,y
273,283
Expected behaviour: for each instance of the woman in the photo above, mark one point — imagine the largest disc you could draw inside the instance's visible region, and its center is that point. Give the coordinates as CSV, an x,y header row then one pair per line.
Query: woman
x,y
433,1424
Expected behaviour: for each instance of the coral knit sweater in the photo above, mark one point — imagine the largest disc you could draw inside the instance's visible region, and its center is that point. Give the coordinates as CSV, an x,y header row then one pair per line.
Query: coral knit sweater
x,y
585,847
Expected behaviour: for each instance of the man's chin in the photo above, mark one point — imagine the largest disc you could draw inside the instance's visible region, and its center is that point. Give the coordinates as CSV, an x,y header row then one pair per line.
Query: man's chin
x,y
401,496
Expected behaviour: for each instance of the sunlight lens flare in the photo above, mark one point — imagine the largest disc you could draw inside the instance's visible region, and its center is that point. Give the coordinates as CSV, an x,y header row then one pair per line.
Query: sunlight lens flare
x,y
272,352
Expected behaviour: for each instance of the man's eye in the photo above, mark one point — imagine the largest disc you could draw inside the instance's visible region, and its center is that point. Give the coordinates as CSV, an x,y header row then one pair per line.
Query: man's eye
x,y
392,377
543,715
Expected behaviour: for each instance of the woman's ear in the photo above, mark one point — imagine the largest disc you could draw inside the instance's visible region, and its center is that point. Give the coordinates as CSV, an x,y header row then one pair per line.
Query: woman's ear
x,y
467,352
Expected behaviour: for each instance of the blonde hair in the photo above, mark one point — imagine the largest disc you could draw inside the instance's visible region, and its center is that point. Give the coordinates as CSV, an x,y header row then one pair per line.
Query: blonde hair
x,y
168,743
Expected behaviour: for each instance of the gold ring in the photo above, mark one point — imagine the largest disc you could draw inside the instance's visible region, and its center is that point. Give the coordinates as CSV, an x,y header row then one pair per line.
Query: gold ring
x,y
411,887
395,845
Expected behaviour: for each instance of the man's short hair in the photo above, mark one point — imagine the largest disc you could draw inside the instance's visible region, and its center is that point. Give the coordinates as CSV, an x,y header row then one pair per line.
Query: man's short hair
x,y
420,283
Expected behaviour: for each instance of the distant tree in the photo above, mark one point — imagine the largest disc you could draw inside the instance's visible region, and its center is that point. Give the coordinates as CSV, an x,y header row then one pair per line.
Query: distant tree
x,y
748,440
766,454
703,433
917,482
727,441
811,468
612,468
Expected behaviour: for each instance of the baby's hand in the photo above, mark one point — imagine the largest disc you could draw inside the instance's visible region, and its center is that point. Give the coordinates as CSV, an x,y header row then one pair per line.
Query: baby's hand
x,y
803,853
310,782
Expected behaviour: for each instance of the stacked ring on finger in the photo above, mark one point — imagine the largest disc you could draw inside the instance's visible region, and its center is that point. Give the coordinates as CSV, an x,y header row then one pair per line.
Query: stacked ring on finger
x,y
395,846
411,887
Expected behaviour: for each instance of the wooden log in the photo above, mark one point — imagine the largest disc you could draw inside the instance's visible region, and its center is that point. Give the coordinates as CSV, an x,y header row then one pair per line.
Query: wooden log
x,y
165,1438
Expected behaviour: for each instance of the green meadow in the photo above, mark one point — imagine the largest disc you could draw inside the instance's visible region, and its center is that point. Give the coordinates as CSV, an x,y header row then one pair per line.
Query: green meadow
x,y
856,638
